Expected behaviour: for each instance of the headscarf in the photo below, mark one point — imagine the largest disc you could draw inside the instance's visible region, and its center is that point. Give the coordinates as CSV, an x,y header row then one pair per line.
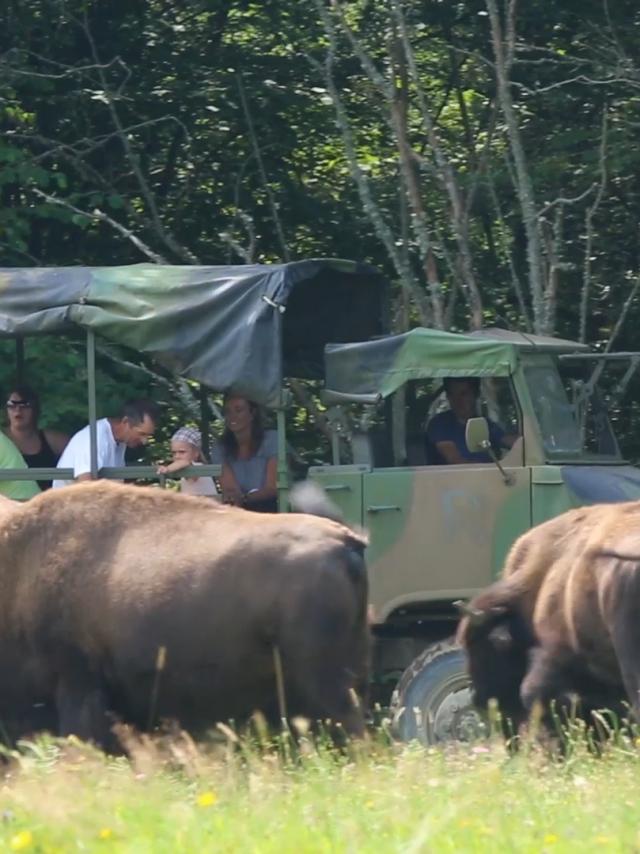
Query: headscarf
x,y
191,435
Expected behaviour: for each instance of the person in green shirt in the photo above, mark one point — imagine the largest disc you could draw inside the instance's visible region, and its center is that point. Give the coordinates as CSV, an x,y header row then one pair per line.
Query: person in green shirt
x,y
11,458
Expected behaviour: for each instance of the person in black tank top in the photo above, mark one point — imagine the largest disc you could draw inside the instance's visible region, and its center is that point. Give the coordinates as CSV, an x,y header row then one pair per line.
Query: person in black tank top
x,y
39,448
45,458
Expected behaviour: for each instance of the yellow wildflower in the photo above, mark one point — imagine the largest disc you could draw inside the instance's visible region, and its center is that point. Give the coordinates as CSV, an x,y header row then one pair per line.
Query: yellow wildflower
x,y
21,841
550,839
602,840
206,799
105,833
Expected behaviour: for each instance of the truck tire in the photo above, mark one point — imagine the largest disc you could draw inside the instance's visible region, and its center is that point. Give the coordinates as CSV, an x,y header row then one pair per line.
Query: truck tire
x,y
432,700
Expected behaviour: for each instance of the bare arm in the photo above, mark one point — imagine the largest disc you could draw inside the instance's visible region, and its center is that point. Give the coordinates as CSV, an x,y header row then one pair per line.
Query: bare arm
x,y
269,488
450,453
231,492
174,466
57,441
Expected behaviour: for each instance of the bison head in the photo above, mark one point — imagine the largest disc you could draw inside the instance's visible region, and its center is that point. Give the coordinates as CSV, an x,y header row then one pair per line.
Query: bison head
x,y
497,647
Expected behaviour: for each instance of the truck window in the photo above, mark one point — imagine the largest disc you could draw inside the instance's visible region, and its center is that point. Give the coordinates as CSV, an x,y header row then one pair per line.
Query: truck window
x,y
570,412
496,402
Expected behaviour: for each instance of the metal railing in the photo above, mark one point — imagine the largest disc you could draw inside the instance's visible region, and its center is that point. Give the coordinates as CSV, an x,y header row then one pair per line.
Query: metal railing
x,y
118,473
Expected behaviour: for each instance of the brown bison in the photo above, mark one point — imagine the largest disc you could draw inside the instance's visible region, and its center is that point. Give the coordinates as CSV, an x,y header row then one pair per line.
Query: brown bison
x,y
146,604
562,622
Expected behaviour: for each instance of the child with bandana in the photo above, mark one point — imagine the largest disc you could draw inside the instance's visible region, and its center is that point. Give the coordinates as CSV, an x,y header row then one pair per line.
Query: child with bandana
x,y
186,450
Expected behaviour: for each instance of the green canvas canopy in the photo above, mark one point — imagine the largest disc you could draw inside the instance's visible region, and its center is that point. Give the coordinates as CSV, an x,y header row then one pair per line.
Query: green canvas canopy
x,y
377,368
243,327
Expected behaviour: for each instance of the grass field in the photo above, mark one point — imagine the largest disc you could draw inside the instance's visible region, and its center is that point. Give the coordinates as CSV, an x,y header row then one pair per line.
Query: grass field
x,y
172,796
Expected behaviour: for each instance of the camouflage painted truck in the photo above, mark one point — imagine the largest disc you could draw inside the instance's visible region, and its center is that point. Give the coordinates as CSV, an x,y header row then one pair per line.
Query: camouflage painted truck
x,y
439,533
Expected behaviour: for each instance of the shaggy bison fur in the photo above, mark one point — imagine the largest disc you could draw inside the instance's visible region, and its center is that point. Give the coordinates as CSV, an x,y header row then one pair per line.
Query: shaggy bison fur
x,y
562,622
143,604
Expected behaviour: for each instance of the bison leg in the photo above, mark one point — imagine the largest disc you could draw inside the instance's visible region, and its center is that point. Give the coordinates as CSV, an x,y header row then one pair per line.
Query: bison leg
x,y
562,684
547,681
321,682
626,643
82,706
324,693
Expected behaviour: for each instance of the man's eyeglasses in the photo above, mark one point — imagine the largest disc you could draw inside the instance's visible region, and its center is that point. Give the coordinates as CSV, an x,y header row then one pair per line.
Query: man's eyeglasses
x,y
18,404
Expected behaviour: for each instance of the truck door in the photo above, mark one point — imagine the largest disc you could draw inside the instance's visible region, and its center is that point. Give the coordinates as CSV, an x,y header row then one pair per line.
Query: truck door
x,y
441,532
343,484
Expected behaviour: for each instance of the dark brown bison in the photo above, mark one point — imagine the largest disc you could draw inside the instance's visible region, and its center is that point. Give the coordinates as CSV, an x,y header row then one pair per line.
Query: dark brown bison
x,y
562,622
96,580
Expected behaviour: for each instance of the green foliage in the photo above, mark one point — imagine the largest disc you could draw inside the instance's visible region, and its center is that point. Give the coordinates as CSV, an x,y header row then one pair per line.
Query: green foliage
x,y
136,110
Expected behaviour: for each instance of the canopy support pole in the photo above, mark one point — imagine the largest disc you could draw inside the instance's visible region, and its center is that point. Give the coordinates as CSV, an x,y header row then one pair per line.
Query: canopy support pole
x,y
91,380
282,480
205,425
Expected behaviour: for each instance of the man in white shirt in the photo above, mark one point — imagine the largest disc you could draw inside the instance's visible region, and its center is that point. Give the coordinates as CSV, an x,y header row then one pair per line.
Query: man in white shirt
x,y
133,427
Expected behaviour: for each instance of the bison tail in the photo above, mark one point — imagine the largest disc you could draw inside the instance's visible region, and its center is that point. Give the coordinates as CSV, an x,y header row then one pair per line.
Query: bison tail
x,y
309,497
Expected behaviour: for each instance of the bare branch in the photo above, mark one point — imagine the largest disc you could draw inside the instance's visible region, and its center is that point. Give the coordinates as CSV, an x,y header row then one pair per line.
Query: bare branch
x,y
510,38
623,314
396,98
263,172
572,200
553,237
589,217
523,184
91,145
385,87
580,78
97,214
248,254
447,176
505,249
69,70
167,239
399,117
35,261
371,209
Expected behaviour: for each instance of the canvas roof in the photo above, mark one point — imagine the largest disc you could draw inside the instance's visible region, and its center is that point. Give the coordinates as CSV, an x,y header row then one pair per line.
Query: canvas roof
x,y
378,368
238,326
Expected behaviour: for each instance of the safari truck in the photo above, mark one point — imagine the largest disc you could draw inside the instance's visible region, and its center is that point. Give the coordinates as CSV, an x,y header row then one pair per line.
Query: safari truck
x,y
438,533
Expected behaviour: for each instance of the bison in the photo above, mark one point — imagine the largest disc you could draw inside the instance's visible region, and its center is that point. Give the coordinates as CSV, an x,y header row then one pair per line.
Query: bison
x,y
145,604
562,621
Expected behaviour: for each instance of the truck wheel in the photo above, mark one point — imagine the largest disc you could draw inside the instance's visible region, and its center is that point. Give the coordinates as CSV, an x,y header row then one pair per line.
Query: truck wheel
x,y
432,701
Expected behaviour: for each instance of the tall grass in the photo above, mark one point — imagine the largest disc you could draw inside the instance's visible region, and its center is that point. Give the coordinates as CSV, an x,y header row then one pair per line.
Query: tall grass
x,y
171,795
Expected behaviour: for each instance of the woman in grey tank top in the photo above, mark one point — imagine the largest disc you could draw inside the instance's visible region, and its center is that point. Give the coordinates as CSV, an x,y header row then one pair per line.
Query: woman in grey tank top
x,y
248,454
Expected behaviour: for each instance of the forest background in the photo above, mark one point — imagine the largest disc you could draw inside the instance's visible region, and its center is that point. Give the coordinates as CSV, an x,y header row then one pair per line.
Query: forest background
x,y
483,154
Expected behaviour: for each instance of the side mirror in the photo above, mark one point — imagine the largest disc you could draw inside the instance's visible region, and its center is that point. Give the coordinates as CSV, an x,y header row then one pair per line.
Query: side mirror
x,y
476,435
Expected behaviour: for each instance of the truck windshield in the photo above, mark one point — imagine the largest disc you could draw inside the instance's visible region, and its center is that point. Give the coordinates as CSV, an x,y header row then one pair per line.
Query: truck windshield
x,y
571,413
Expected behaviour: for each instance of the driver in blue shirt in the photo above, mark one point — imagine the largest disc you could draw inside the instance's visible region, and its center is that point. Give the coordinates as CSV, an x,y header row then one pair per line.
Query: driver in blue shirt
x,y
446,431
